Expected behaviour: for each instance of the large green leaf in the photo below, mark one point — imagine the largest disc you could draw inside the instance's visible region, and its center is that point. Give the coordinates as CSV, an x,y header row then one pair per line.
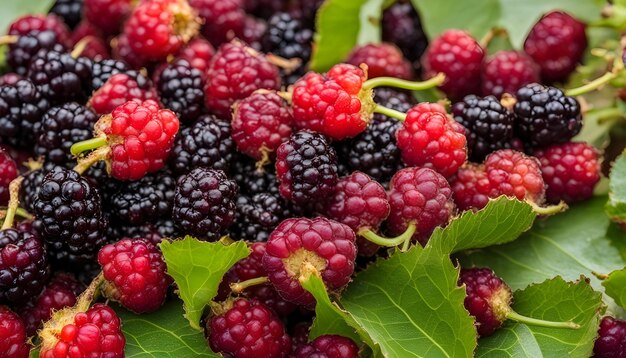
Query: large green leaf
x,y
197,268
615,286
11,10
511,340
616,206
410,305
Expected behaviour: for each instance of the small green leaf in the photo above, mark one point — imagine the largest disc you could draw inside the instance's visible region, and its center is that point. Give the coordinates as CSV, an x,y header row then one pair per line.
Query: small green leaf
x,y
616,206
615,286
511,340
197,267
11,10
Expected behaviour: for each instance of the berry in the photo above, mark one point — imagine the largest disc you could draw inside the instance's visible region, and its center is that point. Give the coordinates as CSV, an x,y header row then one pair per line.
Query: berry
x,y
204,203
181,89
506,72
236,71
221,19
68,10
253,180
135,275
198,52
28,45
107,15
488,125
10,78
119,89
69,213
333,104
557,43
207,143
25,24
570,171
21,107
401,26
299,243
382,60
29,190
263,8
8,172
253,32
103,70
12,335
160,28
459,57
300,334
96,49
123,51
306,166
248,329
331,346
153,232
429,139
59,128
257,216
261,122
472,188
611,342
545,116
94,333
421,196
24,267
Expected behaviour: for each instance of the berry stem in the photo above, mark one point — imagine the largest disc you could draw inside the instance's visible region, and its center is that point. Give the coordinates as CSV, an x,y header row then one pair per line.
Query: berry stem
x,y
97,155
14,202
238,287
8,39
88,144
390,112
548,210
512,315
593,85
19,212
80,46
409,85
403,238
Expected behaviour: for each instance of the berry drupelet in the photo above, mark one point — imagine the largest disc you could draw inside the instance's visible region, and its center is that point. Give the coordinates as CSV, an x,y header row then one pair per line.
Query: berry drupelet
x,y
119,89
382,60
13,336
107,15
506,72
257,216
181,89
198,52
611,342
8,172
401,26
328,346
221,19
28,45
28,23
68,10
253,180
21,107
102,70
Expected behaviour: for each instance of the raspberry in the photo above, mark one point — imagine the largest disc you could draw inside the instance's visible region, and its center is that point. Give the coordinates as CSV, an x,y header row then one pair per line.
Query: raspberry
x,y
21,107
8,172
257,216
253,180
107,15
181,89
135,275
236,71
198,52
253,32
28,45
204,203
459,57
429,139
222,19
119,89
94,333
69,214
12,335
248,329
545,116
333,104
421,196
103,70
557,43
506,72
68,10
96,49
261,122
331,346
298,243
612,340
207,143
160,28
401,26
488,125
472,188
306,166
123,51
59,128
382,60
24,267
61,291
25,24
570,171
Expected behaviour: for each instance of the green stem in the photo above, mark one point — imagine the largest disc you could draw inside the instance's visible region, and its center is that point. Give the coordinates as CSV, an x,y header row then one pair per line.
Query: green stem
x,y
409,85
403,238
593,85
97,155
238,287
88,144
512,315
14,202
390,112
547,210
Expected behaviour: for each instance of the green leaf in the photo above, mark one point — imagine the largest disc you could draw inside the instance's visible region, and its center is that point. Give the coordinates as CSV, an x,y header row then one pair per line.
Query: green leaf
x,y
164,333
410,305
551,300
197,267
615,286
616,206
501,221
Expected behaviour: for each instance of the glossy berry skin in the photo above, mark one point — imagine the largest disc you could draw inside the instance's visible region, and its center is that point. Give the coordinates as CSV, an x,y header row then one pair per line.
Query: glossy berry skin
x,y
253,32
248,329
325,244
135,274
8,172
70,11
506,72
328,346
103,70
459,57
611,342
221,19
107,15
181,89
557,43
487,298
94,333
570,170
25,24
253,180
257,216
28,45
21,107
236,71
401,26
306,167
261,122
429,139
198,52
204,203
119,89
12,335
332,104
472,188
383,59
97,48
422,196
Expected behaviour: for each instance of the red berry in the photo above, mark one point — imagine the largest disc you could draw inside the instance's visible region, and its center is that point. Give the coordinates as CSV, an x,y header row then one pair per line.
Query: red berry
x,y
8,172
261,122
429,138
612,340
421,196
25,24
383,59
236,71
459,57
248,329
570,171
222,19
12,335
119,89
557,43
506,72
123,51
97,48
328,346
472,188
198,52
107,15
253,32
